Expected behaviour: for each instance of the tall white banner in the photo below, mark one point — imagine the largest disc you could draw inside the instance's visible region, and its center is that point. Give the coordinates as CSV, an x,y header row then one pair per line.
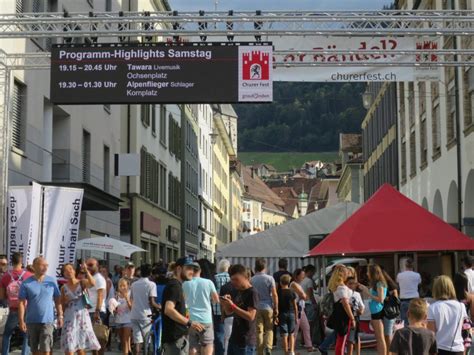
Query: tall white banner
x,y
346,67
34,237
61,217
18,220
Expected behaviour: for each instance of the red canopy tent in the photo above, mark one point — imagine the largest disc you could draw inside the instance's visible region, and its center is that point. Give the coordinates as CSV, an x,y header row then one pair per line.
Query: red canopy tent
x,y
389,222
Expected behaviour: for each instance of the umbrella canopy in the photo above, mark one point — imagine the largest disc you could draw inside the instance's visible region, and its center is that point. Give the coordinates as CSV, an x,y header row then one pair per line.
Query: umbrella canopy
x,y
108,245
390,222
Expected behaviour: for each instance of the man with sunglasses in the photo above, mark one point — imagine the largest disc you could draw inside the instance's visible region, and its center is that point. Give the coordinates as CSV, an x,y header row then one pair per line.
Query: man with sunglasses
x,y
97,296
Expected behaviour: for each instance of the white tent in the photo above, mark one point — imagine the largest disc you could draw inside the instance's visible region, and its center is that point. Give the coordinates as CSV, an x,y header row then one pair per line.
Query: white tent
x,y
289,240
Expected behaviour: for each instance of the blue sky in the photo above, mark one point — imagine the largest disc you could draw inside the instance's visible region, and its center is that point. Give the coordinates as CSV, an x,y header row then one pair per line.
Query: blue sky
x,y
275,5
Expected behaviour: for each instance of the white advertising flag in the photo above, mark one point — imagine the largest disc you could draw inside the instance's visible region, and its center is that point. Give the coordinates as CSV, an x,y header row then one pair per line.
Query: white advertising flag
x,y
19,212
34,238
61,217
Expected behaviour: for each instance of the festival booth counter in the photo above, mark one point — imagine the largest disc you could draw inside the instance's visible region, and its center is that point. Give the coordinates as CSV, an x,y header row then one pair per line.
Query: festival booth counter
x,y
290,240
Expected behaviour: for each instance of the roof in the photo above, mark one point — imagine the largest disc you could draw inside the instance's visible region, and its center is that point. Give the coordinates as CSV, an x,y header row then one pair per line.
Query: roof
x,y
256,188
289,196
292,238
228,110
350,142
390,222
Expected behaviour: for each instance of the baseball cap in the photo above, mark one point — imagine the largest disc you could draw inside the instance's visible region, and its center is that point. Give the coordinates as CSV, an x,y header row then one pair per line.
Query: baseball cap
x,y
185,261
129,264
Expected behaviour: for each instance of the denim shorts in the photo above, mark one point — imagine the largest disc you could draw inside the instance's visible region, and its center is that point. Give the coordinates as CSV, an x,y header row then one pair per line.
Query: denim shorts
x,y
287,323
388,326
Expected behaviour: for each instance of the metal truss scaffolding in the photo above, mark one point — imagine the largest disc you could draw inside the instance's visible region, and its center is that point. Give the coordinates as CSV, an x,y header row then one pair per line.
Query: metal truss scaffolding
x,y
191,24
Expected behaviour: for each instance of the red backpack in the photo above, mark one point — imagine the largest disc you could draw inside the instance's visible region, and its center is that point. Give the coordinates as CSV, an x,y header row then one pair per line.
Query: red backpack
x,y
13,290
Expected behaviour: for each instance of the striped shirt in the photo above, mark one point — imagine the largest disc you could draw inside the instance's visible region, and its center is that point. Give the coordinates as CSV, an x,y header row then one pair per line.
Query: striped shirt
x,y
221,279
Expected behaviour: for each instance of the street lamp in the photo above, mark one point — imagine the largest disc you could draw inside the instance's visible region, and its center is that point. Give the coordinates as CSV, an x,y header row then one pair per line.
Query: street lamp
x,y
367,99
213,136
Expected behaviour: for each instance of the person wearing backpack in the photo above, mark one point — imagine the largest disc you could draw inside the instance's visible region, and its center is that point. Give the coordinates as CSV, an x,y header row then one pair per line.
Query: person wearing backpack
x,y
9,290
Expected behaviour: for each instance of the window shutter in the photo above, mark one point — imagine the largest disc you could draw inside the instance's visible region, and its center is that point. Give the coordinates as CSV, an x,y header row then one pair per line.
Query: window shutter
x,y
18,114
20,6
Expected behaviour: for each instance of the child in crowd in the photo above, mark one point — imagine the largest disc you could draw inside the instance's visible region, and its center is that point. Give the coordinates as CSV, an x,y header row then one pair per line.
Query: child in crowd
x,y
287,314
415,339
357,306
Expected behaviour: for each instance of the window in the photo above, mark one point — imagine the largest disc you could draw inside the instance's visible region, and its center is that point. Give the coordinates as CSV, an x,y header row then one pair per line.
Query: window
x,y
162,185
106,168
435,119
143,172
468,98
174,194
20,6
404,162
153,119
411,103
145,114
402,109
174,134
108,5
412,154
423,142
163,124
18,103
86,156
422,97
450,112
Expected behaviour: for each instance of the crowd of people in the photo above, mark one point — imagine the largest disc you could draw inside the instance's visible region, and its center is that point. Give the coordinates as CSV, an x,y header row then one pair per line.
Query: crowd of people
x,y
233,309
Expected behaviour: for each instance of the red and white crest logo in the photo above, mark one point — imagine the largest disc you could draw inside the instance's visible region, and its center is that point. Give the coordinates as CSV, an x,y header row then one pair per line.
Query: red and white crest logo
x,y
256,66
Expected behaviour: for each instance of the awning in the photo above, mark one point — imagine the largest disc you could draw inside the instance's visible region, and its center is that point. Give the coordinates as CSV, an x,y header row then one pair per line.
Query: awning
x,y
390,222
94,198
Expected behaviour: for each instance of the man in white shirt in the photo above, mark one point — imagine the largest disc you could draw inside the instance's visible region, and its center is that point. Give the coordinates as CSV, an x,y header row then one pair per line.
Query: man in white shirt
x,y
408,281
467,266
97,297
143,295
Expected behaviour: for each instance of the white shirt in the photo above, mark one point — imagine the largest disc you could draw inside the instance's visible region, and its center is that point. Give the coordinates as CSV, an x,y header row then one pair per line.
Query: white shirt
x,y
306,284
408,282
448,317
470,279
100,284
122,312
140,292
342,292
356,301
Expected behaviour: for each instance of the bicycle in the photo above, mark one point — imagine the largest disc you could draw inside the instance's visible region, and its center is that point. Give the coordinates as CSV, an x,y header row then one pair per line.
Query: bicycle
x,y
152,339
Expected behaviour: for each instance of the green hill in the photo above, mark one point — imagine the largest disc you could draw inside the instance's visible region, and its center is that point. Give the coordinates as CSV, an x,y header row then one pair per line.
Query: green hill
x,y
284,161
304,117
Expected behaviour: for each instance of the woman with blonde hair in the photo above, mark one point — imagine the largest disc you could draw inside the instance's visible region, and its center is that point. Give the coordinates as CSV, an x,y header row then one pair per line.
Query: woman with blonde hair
x,y
342,319
446,317
120,306
376,294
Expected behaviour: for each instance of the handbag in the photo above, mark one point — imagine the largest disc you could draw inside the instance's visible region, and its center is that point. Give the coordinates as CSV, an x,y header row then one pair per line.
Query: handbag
x,y
86,301
101,332
391,307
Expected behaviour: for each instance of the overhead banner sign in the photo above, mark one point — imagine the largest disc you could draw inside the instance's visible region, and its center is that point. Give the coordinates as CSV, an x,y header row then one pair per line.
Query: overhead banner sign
x,y
61,217
338,68
161,73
